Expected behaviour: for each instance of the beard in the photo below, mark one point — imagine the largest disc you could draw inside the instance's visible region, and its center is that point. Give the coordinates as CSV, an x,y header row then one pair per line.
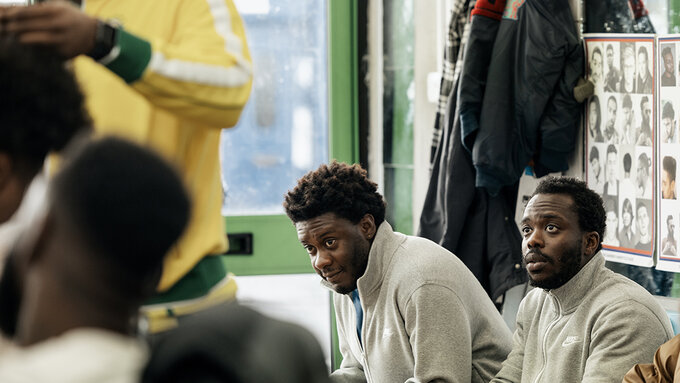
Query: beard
x,y
10,297
359,262
571,265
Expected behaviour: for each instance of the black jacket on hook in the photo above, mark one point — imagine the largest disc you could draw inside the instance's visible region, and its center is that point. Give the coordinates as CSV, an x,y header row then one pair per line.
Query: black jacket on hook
x,y
477,228
528,111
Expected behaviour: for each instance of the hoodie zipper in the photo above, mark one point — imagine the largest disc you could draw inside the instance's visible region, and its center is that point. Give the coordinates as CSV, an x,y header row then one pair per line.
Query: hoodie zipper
x,y
545,336
367,372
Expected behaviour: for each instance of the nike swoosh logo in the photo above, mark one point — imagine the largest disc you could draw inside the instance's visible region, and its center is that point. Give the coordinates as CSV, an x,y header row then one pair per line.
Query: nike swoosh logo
x,y
570,340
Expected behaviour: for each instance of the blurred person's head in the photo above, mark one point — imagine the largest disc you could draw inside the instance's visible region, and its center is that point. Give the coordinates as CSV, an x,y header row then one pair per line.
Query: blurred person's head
x,y
112,214
336,211
41,108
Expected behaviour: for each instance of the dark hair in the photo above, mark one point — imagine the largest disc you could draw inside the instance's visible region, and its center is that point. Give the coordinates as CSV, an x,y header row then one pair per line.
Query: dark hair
x,y
126,202
611,149
40,104
610,205
596,50
669,166
643,50
609,47
643,100
594,154
587,205
336,188
627,162
666,51
668,111
627,102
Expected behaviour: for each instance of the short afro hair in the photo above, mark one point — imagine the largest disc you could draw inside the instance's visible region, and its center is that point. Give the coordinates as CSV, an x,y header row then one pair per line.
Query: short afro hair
x,y
587,205
338,188
40,103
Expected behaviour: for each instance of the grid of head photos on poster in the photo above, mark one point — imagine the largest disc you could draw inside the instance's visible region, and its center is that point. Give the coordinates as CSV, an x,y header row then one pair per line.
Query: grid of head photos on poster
x,y
669,153
620,150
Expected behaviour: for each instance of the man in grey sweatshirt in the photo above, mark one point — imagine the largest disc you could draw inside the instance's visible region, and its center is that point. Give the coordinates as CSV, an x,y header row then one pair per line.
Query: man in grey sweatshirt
x,y
407,309
583,322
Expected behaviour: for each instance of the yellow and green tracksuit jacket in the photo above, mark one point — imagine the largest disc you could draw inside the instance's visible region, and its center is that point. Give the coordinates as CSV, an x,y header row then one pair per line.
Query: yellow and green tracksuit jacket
x,y
180,73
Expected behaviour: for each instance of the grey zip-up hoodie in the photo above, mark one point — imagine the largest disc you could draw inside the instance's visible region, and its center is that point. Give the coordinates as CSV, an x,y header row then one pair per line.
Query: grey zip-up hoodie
x,y
594,328
426,318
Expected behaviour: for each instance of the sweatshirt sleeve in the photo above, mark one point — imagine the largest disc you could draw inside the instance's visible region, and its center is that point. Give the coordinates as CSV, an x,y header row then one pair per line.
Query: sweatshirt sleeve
x,y
439,333
511,371
615,347
204,73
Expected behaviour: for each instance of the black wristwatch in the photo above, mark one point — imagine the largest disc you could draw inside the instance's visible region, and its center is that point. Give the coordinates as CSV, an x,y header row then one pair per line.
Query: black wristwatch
x,y
105,40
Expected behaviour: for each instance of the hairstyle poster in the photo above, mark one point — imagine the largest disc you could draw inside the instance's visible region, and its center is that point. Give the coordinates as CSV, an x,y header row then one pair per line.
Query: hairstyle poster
x,y
669,153
619,143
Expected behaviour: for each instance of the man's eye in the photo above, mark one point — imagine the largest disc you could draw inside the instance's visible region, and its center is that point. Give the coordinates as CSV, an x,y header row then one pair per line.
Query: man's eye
x,y
551,228
309,248
329,242
525,230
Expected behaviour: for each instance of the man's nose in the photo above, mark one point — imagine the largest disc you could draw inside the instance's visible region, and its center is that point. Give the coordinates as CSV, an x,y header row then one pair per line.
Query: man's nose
x,y
322,260
534,240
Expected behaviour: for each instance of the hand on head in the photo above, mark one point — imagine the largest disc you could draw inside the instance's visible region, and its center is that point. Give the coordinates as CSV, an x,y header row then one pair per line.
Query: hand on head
x,y
56,24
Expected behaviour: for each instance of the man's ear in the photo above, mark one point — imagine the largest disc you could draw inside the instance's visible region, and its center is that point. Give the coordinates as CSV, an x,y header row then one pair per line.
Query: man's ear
x,y
367,226
591,241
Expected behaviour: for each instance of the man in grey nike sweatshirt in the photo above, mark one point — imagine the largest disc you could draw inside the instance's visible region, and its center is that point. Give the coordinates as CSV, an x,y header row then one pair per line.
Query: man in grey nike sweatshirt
x,y
407,309
583,322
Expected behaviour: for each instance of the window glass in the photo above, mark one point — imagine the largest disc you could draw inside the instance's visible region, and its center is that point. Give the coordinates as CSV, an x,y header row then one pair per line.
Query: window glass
x,y
283,131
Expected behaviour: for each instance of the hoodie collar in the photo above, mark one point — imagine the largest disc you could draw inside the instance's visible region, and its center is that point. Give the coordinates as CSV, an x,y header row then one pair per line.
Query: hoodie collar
x,y
571,294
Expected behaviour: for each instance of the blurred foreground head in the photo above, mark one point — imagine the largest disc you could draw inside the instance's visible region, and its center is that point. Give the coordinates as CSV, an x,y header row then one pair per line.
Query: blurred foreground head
x,y
41,109
113,212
